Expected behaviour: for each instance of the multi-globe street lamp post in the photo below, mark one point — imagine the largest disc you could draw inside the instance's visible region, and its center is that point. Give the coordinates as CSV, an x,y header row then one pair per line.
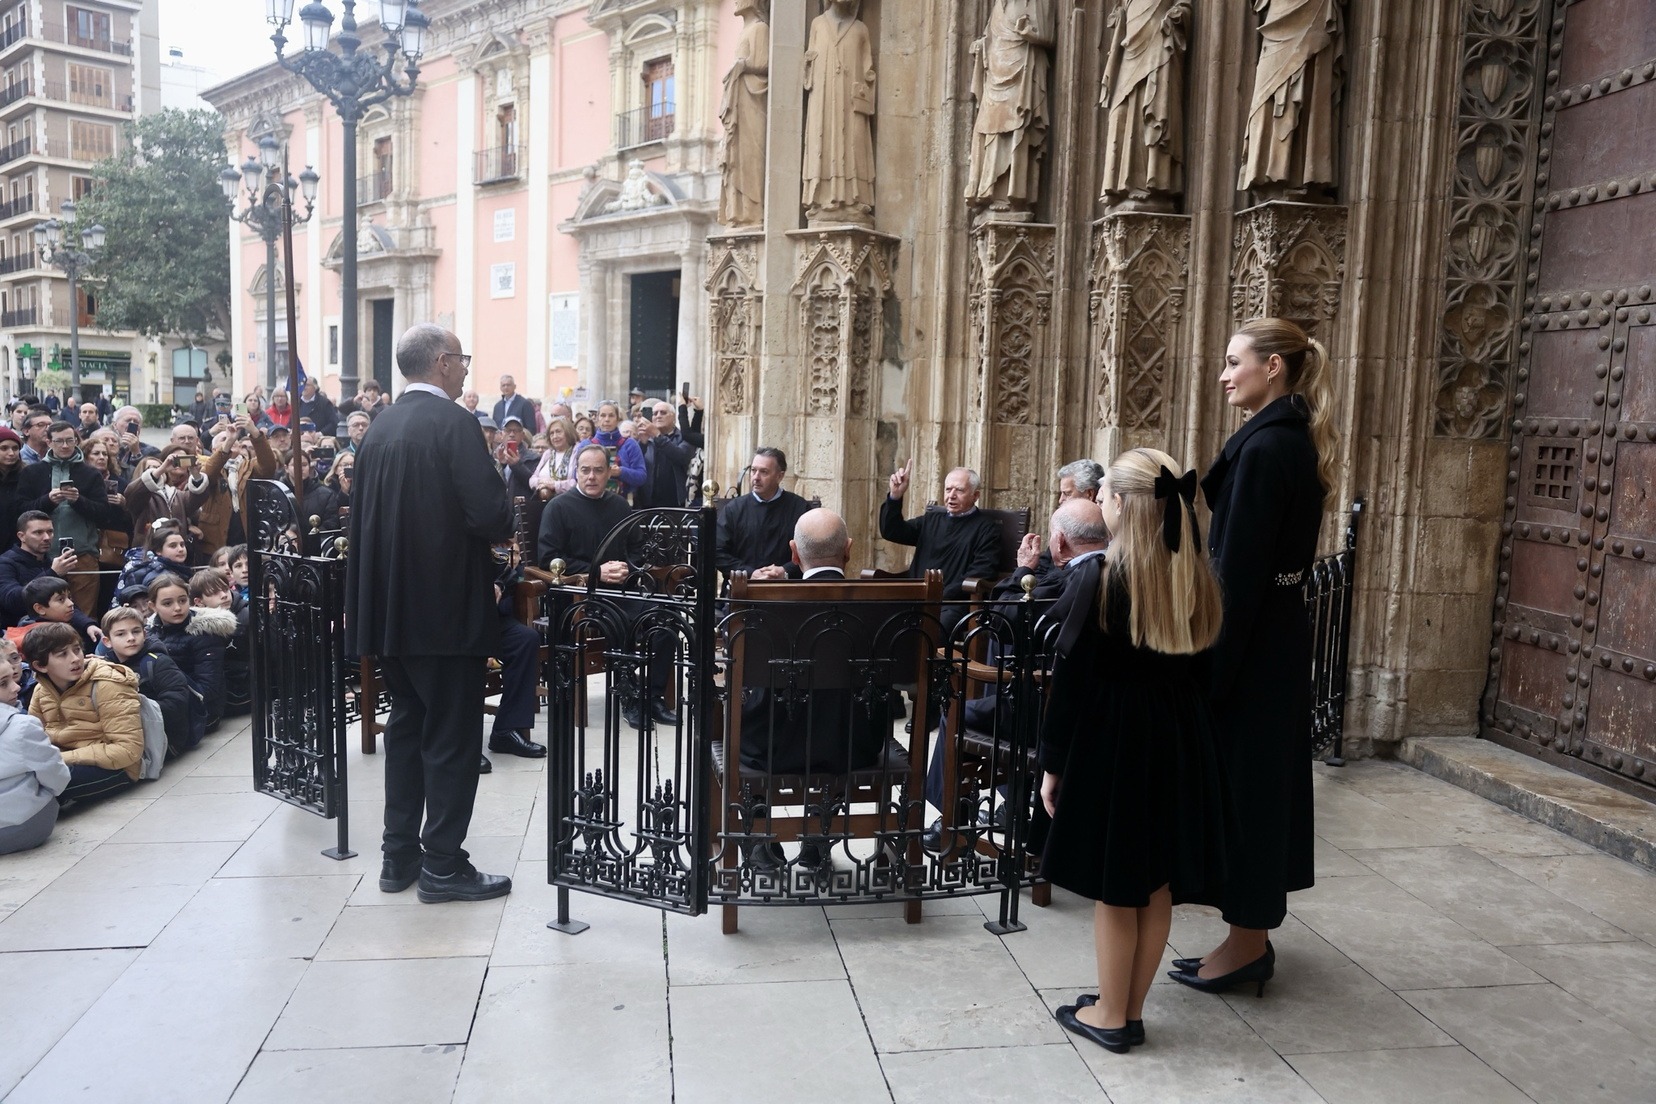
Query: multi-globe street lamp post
x,y
270,193
353,81
55,239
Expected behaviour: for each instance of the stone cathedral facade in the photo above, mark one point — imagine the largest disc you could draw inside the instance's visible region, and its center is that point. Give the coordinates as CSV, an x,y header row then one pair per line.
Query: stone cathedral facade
x,y
1011,233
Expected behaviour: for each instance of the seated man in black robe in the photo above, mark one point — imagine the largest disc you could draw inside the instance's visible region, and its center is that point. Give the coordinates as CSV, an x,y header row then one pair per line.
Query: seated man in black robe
x,y
1077,534
755,529
573,528
962,542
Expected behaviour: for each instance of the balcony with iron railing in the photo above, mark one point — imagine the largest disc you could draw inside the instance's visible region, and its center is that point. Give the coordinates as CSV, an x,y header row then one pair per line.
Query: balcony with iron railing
x,y
643,125
20,148
22,205
14,33
28,316
373,187
14,92
108,99
497,164
103,44
22,262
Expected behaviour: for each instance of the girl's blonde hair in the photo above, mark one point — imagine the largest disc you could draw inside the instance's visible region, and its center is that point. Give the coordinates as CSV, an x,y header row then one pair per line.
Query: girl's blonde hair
x,y
1306,361
1176,607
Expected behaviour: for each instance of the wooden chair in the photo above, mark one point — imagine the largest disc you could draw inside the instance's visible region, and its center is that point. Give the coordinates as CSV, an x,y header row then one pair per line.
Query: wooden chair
x,y
1013,524
766,643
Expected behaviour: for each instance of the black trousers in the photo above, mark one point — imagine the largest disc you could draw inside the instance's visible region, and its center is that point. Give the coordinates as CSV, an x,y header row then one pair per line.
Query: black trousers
x,y
519,672
433,741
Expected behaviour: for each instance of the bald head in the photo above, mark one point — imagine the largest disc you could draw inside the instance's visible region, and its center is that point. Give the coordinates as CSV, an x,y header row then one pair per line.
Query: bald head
x,y
820,540
1078,527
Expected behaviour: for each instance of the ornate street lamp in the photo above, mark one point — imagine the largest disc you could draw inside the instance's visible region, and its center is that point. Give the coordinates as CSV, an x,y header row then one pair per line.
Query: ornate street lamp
x,y
353,81
269,193
56,241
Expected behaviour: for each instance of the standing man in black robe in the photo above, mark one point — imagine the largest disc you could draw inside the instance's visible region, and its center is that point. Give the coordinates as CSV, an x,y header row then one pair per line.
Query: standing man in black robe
x,y
755,530
419,594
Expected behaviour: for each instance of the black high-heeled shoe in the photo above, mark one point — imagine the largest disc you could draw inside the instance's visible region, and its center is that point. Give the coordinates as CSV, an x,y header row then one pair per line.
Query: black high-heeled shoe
x,y
1135,1028
1191,965
1260,970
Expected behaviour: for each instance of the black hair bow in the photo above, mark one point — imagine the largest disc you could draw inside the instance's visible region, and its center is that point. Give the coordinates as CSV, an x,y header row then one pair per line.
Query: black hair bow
x,y
1172,488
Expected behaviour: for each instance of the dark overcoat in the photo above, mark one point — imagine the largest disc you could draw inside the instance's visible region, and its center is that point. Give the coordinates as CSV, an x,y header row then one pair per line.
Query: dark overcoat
x,y
1267,505
427,507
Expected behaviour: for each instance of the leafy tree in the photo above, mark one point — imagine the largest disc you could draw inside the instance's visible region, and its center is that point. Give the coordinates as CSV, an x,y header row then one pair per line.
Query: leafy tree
x,y
165,269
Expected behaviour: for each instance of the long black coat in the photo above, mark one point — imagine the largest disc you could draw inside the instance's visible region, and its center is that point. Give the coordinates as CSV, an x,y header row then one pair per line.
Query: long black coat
x,y
427,507
1267,506
1128,730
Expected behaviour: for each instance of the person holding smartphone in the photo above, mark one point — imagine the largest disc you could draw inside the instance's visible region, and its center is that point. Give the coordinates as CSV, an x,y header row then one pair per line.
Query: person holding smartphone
x,y
72,493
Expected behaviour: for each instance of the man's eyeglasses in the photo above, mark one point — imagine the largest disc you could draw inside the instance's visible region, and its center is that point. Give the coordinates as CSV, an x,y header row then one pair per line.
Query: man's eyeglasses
x,y
465,358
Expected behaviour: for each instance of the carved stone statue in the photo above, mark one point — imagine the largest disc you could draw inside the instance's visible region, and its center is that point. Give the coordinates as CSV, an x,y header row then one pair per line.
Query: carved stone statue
x,y
1290,145
1010,83
1143,98
743,113
839,118
636,193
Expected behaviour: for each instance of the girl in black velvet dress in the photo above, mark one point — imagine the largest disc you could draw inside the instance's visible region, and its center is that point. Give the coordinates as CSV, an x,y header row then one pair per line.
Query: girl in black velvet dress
x,y
1267,490
1131,776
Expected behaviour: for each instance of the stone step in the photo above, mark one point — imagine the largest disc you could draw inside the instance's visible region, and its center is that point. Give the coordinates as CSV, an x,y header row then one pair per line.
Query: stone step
x,y
1614,822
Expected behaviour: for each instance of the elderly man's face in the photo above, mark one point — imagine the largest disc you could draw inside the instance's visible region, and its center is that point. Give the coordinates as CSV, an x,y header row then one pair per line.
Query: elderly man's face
x,y
592,472
36,431
357,428
508,387
958,496
469,399
187,436
664,417
766,475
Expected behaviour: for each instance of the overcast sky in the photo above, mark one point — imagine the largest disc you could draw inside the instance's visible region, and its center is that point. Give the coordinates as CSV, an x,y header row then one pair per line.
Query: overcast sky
x,y
228,37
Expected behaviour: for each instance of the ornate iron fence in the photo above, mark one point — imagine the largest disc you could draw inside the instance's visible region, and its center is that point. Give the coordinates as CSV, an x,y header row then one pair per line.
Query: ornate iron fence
x,y
662,793
1328,596
297,651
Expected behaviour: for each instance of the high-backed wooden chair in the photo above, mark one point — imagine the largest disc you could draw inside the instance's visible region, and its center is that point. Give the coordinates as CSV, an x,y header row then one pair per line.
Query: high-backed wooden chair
x,y
1014,523
838,639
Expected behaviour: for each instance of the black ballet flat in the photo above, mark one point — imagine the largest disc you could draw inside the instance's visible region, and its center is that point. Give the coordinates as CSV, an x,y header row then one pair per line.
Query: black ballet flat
x,y
1258,971
1135,1028
1113,1039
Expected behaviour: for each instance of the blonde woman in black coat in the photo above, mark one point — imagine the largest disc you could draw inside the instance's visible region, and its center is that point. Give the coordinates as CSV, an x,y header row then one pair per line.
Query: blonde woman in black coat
x,y
1267,490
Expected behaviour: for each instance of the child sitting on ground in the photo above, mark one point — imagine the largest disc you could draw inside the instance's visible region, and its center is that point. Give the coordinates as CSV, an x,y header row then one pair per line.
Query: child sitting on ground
x,y
159,678
195,639
32,772
47,599
90,709
211,588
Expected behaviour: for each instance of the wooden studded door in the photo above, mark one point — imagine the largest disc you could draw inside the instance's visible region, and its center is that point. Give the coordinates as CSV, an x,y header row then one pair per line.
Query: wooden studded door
x,y
1575,649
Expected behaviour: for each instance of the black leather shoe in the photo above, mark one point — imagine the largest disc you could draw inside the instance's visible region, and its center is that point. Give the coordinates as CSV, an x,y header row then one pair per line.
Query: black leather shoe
x,y
466,884
483,765
1113,1039
633,715
1135,1028
397,875
663,713
512,742
1191,965
1259,971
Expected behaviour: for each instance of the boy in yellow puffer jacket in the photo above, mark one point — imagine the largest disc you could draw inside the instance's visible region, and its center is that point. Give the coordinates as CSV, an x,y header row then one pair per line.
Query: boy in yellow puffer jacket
x,y
90,710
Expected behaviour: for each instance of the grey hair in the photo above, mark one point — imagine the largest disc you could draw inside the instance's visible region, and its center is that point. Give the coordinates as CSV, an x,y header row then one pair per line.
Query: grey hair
x,y
1081,525
419,347
820,538
973,480
1087,474
575,461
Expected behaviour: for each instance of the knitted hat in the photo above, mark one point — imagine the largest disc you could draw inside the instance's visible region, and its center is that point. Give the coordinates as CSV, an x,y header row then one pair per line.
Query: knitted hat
x,y
7,433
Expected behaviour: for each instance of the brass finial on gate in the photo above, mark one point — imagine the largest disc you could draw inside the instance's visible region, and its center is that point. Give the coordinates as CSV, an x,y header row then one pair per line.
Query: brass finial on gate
x,y
316,524
556,567
1028,584
710,489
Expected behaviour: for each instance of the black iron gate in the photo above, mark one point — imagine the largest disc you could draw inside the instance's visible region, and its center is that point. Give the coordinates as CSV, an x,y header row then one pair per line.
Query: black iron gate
x,y
296,637
659,796
1328,594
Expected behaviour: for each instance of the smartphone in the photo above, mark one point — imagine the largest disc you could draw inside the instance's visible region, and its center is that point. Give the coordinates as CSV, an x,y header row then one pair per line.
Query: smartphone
x,y
112,486
65,544
512,449
684,391
322,452
67,485
241,408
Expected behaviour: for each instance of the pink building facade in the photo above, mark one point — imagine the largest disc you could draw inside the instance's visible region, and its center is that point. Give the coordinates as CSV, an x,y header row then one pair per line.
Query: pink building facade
x,y
546,193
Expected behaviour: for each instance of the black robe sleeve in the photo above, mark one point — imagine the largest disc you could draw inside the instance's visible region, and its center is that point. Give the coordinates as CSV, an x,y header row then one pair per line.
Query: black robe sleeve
x,y
894,527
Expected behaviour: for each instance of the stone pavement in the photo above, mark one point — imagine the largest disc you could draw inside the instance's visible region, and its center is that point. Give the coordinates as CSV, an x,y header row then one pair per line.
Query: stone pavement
x,y
186,942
